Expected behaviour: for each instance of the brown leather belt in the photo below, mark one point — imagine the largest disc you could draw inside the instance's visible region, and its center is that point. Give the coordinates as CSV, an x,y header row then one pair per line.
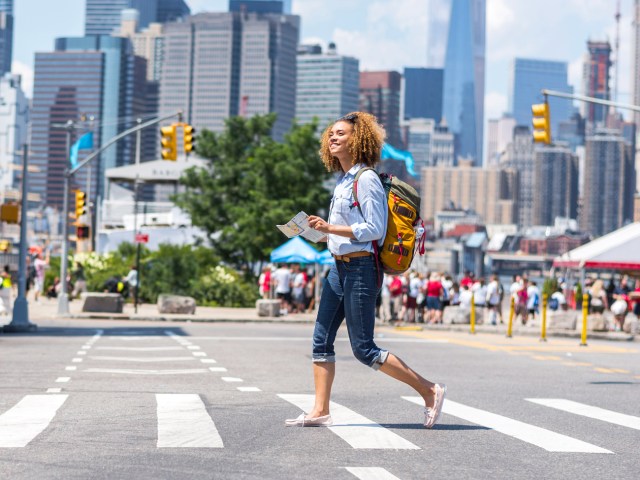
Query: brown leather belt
x,y
348,256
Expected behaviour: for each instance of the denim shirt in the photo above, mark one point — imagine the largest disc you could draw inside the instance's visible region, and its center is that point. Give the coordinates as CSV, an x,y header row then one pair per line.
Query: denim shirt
x,y
367,226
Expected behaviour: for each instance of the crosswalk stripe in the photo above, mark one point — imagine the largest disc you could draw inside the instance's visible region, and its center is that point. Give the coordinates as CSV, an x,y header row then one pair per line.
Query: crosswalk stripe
x,y
132,371
28,418
371,473
143,359
540,437
183,421
140,349
353,428
589,411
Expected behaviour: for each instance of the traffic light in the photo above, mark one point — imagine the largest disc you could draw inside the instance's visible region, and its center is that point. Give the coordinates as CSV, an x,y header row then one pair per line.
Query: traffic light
x,y
83,232
169,142
541,123
5,246
189,138
10,213
81,203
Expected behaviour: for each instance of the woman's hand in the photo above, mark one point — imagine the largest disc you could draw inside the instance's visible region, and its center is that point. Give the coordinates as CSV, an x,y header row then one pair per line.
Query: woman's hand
x,y
319,224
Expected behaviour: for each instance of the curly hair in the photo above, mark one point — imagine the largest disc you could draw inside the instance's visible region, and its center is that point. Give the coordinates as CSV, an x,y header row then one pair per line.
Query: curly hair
x,y
365,144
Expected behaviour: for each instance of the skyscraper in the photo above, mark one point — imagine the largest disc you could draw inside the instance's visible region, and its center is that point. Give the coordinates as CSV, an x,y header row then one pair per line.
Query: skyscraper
x,y
423,93
609,183
437,30
528,78
14,111
635,64
499,135
463,106
103,16
430,144
6,35
328,85
261,6
596,76
555,184
380,96
217,65
519,156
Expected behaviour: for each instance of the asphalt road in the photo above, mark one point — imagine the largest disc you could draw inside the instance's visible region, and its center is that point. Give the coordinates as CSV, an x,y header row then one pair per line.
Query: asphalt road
x,y
98,399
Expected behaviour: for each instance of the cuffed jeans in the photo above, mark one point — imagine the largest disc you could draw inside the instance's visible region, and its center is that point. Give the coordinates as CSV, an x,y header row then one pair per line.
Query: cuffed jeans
x,y
350,292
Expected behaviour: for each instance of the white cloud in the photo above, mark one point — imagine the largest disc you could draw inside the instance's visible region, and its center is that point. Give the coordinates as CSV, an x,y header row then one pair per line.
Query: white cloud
x,y
26,72
500,15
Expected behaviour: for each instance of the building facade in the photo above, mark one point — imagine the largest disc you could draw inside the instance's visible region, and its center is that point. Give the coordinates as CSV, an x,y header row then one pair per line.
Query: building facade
x,y
380,96
464,74
609,183
261,6
6,36
14,114
423,93
596,82
528,78
218,65
555,185
327,85
519,156
490,192
429,143
499,135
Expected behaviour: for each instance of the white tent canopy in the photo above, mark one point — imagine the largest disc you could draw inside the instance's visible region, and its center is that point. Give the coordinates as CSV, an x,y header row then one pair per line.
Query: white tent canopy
x,y
618,250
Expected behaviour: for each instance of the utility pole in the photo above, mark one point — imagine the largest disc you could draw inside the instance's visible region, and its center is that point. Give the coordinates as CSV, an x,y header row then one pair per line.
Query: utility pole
x,y
63,298
20,321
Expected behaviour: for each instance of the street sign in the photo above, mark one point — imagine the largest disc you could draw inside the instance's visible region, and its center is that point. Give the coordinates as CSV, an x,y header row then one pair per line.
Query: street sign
x,y
142,238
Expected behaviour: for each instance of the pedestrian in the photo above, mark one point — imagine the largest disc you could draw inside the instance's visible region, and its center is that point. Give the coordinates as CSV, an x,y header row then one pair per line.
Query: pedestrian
x,y
434,291
80,285
5,291
297,289
395,290
598,299
522,301
132,280
264,282
282,279
494,299
387,315
533,299
351,143
40,266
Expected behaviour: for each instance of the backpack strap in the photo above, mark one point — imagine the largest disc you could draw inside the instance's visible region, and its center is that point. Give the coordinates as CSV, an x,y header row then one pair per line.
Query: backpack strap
x,y
356,203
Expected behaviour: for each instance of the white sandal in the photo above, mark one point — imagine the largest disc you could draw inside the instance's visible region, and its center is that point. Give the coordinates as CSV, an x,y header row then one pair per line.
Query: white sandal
x,y
302,421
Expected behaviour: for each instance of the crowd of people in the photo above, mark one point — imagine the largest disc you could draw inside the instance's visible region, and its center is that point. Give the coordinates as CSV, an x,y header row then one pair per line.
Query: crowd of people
x,y
292,284
619,299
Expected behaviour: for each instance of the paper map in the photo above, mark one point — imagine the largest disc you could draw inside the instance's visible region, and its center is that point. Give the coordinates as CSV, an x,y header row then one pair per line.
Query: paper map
x,y
299,225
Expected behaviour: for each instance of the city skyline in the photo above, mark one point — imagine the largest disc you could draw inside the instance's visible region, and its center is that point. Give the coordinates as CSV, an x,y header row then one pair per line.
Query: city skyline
x,y
357,32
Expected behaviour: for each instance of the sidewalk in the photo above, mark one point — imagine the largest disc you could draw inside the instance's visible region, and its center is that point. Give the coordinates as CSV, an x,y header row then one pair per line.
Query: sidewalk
x,y
47,309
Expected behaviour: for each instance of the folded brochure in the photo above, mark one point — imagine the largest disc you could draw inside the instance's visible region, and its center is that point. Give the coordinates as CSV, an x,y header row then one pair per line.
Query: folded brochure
x,y
299,225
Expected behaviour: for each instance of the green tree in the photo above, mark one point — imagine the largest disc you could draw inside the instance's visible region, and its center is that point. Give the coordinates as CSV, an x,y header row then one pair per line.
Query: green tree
x,y
250,184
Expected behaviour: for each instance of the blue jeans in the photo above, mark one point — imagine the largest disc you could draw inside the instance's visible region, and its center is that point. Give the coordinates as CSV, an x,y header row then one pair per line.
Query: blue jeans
x,y
350,291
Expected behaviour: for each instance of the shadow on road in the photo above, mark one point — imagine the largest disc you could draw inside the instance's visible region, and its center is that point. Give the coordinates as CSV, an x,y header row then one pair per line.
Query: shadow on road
x,y
84,332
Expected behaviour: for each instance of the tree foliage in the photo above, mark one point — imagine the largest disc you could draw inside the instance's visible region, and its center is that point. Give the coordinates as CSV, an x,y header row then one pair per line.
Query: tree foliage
x,y
250,184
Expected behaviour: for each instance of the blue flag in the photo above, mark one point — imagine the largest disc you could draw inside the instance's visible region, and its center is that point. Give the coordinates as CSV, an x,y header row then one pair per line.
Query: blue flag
x,y
85,142
394,154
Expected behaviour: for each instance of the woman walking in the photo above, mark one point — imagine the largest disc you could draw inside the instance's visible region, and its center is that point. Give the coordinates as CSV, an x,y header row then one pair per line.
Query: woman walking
x,y
351,143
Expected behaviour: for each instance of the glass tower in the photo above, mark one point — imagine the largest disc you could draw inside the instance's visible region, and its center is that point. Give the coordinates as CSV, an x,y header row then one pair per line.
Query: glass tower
x,y
6,35
423,93
463,106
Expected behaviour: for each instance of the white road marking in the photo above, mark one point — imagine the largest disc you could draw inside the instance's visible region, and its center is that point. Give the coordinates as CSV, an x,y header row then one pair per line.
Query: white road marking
x,y
81,352
140,349
183,421
86,347
217,369
193,347
540,437
353,428
28,418
249,389
143,359
232,379
208,360
71,369
76,360
62,379
589,411
54,390
371,473
199,354
145,372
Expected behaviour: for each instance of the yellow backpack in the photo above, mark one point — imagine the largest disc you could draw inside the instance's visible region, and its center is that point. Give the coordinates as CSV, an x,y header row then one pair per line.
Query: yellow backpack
x,y
405,229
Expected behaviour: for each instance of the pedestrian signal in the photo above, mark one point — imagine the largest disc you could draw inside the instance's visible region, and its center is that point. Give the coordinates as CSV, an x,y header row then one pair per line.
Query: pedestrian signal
x,y
169,142
189,138
81,203
83,232
541,123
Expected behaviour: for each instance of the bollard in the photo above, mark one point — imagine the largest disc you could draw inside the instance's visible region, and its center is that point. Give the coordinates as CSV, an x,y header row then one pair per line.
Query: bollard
x,y
585,313
473,315
512,312
543,334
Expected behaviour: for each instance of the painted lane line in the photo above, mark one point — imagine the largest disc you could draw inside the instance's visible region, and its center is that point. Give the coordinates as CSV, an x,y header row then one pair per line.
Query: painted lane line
x,y
217,369
208,360
353,428
62,379
143,359
199,354
540,437
141,349
183,421
232,379
371,473
131,371
193,347
249,389
71,368
86,347
28,418
81,352
54,390
589,411
76,360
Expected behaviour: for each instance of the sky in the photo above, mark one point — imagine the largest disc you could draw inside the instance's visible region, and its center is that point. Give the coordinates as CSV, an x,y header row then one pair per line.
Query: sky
x,y
392,34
